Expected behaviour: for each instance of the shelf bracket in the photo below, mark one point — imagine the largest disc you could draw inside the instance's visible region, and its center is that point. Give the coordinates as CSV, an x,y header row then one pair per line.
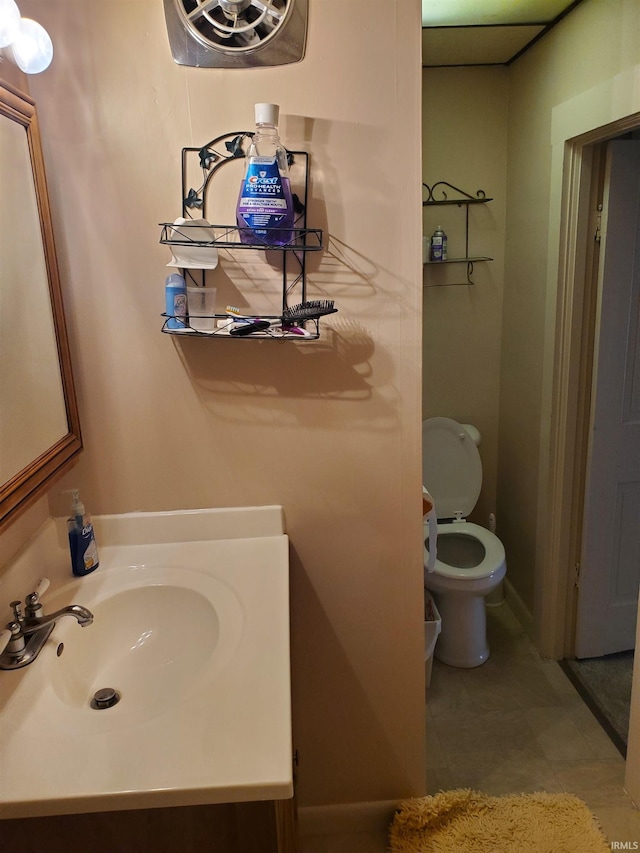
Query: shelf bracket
x,y
440,189
470,272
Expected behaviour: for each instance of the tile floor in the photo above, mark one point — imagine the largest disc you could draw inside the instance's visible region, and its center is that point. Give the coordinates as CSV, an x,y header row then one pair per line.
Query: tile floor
x,y
514,725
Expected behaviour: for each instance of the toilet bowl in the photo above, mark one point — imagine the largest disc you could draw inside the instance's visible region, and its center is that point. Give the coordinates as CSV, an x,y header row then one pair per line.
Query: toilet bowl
x,y
470,559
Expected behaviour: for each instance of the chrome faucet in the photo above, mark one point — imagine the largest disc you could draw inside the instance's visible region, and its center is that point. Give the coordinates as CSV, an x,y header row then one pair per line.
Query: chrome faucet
x,y
35,623
24,637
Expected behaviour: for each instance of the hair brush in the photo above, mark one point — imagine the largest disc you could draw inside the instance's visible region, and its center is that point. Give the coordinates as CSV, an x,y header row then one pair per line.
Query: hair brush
x,y
308,310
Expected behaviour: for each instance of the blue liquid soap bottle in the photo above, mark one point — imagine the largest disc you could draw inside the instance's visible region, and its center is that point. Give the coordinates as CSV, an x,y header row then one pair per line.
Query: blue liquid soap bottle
x,y
265,211
82,541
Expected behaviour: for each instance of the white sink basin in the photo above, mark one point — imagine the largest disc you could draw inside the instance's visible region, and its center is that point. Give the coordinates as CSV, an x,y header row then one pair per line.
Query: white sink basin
x,y
192,637
156,642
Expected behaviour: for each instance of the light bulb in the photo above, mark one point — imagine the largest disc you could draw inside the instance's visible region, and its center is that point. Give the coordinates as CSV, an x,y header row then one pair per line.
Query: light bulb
x,y
32,48
9,22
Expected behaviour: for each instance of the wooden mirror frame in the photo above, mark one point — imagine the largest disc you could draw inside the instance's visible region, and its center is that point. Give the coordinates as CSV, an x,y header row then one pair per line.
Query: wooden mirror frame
x,y
25,487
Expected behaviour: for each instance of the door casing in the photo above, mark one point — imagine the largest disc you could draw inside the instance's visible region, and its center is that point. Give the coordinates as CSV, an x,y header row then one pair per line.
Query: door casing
x,y
562,498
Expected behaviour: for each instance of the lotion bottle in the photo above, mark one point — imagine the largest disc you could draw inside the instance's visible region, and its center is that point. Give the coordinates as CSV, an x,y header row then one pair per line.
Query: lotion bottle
x,y
82,541
265,211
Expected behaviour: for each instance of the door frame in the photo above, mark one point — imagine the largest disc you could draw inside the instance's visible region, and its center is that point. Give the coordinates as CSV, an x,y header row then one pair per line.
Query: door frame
x,y
602,626
577,286
576,161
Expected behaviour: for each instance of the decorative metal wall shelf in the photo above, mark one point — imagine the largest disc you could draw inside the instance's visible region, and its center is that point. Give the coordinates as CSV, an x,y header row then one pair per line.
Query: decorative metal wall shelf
x,y
439,194
296,241
275,333
232,237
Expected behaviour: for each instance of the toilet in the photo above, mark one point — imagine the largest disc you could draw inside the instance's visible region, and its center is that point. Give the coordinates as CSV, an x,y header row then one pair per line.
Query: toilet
x,y
470,559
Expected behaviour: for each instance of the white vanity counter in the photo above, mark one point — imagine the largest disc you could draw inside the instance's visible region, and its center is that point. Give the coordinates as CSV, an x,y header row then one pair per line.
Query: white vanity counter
x,y
191,628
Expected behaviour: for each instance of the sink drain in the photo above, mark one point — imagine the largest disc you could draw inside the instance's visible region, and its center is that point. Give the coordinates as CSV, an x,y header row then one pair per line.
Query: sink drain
x,y
106,697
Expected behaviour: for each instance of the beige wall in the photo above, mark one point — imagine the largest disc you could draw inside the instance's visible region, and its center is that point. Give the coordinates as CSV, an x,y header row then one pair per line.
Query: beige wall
x,y
332,430
10,73
596,42
464,114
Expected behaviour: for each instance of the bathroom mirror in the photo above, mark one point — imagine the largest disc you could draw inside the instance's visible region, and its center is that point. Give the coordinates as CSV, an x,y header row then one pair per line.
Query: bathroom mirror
x,y
39,424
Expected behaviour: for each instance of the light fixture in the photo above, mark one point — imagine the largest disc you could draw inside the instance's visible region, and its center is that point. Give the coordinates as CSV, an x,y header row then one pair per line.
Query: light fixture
x,y
9,22
29,43
32,48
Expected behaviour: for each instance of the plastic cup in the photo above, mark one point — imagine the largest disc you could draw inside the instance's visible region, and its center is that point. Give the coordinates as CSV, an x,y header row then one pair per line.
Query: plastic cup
x,y
201,302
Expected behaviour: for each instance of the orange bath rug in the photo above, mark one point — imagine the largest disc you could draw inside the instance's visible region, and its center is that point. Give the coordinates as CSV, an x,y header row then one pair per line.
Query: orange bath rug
x,y
464,820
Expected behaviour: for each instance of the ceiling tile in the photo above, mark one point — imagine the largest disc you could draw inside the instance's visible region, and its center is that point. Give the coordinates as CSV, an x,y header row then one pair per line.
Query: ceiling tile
x,y
474,45
456,12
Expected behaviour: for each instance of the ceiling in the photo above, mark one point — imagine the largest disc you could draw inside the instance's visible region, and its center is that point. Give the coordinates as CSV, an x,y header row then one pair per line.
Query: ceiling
x,y
485,32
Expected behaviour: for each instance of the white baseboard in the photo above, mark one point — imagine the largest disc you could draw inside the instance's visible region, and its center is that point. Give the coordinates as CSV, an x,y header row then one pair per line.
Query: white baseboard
x,y
344,818
520,610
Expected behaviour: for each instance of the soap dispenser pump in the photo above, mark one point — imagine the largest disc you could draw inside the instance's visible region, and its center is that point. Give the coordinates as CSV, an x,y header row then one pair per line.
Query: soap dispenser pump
x,y
82,541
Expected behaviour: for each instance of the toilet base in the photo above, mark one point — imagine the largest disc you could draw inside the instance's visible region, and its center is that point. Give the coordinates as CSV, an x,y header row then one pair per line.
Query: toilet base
x,y
463,638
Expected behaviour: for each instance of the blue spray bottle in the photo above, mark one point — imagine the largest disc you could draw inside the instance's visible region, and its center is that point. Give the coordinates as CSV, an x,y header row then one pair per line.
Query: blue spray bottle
x,y
82,541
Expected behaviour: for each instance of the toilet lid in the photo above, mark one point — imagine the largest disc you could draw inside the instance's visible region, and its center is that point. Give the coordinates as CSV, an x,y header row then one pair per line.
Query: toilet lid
x,y
451,467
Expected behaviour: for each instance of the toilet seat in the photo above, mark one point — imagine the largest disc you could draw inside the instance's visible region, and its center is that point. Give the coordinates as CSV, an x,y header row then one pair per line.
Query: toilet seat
x,y
494,557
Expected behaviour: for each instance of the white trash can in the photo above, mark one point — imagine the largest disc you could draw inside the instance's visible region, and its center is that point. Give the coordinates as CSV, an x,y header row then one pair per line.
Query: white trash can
x,y
432,628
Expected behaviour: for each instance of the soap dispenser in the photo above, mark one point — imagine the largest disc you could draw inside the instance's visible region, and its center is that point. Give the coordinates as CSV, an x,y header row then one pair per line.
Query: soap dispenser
x,y
82,541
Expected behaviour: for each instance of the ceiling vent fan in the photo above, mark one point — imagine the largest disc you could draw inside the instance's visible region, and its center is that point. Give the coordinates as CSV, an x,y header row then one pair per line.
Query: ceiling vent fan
x,y
236,33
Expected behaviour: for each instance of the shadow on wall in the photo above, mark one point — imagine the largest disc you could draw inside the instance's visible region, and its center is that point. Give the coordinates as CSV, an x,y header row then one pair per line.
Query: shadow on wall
x,y
234,379
326,671
256,381
337,366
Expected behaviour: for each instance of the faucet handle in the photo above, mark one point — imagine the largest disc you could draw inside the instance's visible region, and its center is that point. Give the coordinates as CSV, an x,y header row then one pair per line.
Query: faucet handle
x,y
33,607
5,638
41,587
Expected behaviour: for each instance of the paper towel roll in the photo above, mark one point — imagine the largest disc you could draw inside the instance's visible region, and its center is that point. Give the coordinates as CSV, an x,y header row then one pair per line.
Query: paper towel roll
x,y
429,512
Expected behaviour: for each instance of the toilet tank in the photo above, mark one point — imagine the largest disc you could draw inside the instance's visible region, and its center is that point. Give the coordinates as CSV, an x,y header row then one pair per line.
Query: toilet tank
x,y
474,432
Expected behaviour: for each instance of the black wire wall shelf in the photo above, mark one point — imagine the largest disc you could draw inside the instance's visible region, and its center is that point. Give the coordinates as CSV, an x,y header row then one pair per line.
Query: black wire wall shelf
x,y
192,234
439,194
190,239
224,324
